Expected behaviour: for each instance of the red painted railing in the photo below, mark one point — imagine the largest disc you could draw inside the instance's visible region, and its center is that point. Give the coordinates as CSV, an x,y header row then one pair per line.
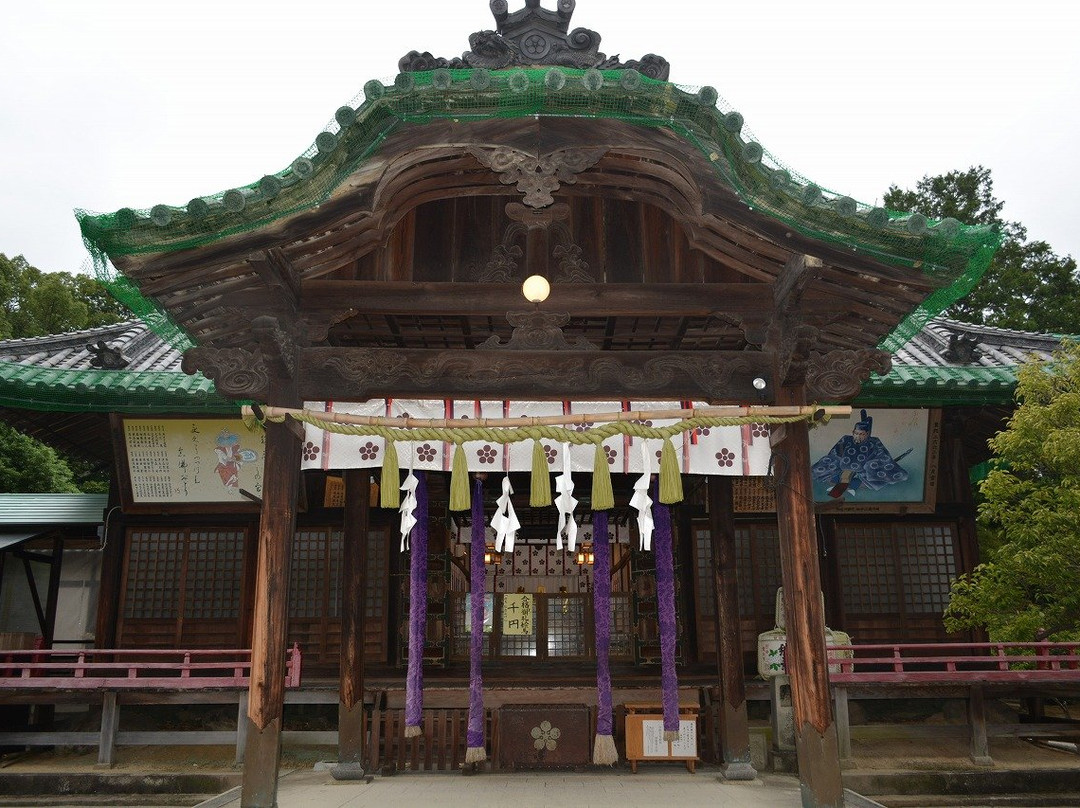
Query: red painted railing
x,y
939,663
134,669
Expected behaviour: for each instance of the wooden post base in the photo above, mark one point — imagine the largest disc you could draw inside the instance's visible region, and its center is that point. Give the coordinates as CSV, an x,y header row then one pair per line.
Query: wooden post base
x,y
980,749
110,722
735,743
350,743
819,769
843,725
262,754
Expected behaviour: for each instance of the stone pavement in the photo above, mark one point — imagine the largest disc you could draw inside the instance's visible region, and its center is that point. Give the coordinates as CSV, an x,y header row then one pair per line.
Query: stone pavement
x,y
650,788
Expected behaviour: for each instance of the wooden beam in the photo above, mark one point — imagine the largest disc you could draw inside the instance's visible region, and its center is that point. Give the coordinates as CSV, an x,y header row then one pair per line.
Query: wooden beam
x,y
277,273
793,282
362,373
816,741
734,725
576,299
35,596
53,595
266,693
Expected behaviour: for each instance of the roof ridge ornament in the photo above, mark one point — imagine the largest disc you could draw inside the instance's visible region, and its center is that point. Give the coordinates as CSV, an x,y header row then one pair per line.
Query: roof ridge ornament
x,y
534,36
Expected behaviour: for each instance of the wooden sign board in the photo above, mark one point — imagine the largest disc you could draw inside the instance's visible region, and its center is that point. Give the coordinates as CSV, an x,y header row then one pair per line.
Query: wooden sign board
x,y
175,464
645,739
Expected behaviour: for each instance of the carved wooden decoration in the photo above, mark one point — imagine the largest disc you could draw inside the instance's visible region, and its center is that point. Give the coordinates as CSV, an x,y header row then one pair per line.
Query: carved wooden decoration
x,y
278,347
537,176
838,375
534,36
234,371
502,266
537,331
529,235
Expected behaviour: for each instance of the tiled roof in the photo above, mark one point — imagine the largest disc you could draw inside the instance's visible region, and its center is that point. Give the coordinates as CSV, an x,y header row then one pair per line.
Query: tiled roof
x,y
948,362
951,362
143,349
58,372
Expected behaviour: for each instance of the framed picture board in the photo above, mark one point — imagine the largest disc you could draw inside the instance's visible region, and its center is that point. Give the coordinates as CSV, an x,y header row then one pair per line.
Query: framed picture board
x,y
877,461
189,464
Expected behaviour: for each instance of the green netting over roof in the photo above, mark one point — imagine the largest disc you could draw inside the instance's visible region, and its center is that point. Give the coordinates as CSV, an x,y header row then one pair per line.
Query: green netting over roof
x,y
952,253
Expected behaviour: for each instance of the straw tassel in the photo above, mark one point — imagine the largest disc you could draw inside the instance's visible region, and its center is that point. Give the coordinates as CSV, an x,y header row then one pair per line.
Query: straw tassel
x,y
459,481
540,493
670,476
603,498
604,752
389,496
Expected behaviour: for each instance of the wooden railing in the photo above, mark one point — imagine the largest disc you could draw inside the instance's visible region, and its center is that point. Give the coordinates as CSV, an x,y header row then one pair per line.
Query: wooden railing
x,y
131,669
943,663
930,669
134,675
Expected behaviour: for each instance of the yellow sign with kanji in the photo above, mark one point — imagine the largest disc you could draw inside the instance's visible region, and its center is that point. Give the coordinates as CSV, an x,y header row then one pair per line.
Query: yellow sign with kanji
x,y
518,615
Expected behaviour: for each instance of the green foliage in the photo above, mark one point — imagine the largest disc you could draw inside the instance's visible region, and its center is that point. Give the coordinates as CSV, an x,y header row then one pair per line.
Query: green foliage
x,y
28,466
32,304
1031,508
35,303
1028,286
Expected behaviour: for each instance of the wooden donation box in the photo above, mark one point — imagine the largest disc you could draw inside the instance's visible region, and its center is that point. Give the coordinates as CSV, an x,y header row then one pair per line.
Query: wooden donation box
x,y
544,736
645,735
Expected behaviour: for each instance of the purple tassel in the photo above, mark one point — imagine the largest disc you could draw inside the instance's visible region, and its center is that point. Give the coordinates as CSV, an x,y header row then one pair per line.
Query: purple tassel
x,y
665,595
604,752
477,587
418,563
602,620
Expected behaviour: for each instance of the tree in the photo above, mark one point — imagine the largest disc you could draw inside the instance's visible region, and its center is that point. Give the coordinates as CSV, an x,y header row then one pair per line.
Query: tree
x,y
1030,516
28,466
1028,286
35,303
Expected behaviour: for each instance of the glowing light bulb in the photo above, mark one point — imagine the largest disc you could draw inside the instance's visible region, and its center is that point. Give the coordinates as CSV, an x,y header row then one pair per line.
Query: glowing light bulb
x,y
536,289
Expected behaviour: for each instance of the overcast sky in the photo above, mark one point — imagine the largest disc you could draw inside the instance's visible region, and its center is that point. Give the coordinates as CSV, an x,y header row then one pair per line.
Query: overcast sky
x,y
114,103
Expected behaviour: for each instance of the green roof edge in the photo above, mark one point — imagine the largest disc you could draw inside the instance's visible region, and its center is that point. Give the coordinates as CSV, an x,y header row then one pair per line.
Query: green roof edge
x,y
50,389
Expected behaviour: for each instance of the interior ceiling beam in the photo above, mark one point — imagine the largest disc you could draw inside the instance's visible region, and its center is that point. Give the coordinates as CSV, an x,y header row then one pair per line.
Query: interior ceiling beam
x,y
576,299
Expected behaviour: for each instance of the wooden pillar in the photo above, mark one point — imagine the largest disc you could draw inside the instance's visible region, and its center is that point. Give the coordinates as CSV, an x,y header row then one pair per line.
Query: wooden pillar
x,y
815,733
734,726
353,586
980,749
53,596
266,694
110,593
